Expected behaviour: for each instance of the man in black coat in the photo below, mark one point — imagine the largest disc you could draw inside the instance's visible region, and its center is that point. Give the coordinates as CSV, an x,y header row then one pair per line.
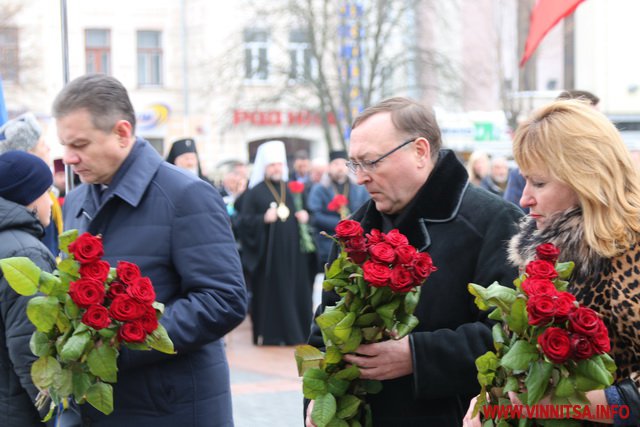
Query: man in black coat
x,y
429,376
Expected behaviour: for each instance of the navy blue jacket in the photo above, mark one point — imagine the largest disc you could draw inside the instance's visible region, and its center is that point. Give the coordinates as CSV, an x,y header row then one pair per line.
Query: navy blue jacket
x,y
175,227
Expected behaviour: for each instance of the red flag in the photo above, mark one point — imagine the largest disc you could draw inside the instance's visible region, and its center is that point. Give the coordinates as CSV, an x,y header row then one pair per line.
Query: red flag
x,y
544,16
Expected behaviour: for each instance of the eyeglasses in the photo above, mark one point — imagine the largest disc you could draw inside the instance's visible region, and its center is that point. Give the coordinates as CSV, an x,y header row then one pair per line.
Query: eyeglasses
x,y
370,165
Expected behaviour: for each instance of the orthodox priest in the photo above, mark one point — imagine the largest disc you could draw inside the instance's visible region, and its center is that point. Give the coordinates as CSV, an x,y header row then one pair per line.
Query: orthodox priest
x,y
281,275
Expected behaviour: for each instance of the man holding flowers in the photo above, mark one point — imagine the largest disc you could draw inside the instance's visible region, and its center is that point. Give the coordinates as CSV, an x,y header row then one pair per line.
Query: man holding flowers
x,y
174,226
423,192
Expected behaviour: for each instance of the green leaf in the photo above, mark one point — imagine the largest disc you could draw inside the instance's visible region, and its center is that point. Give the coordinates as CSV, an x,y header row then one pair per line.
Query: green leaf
x,y
511,384
380,296
333,355
407,322
608,362
488,362
307,356
21,274
520,355
70,267
102,363
330,284
564,388
63,324
314,383
411,301
337,422
565,269
52,285
63,383
329,319
100,396
353,342
74,347
159,340
39,344
44,371
337,387
495,295
348,406
372,334
594,369
343,328
496,315
81,383
498,335
354,423
158,306
537,381
517,320
368,319
324,409
387,311
43,312
70,308
348,374
372,386
65,239
108,332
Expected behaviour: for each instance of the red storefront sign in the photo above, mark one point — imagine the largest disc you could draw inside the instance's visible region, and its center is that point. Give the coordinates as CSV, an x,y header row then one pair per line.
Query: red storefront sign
x,y
278,118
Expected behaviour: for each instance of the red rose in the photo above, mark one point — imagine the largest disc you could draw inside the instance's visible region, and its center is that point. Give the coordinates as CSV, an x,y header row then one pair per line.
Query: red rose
x,y
296,187
357,257
422,266
149,320
86,292
86,248
142,291
339,201
555,344
375,236
132,332
585,321
548,252
541,309
115,289
382,252
348,228
395,238
356,248
538,286
97,317
565,305
97,270
405,254
332,207
541,270
601,340
401,279
125,308
581,347
128,272
376,274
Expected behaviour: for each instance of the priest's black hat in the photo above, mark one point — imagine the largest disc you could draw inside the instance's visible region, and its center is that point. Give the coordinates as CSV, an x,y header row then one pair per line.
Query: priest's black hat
x,y
179,147
338,154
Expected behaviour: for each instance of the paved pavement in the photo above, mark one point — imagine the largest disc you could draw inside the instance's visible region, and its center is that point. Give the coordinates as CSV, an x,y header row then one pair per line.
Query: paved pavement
x,y
265,385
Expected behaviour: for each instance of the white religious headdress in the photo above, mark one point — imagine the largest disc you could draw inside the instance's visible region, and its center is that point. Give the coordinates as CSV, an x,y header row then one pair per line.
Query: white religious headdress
x,y
268,152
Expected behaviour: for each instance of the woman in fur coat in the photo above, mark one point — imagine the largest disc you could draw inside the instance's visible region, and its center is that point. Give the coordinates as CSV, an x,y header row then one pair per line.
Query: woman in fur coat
x,y
583,192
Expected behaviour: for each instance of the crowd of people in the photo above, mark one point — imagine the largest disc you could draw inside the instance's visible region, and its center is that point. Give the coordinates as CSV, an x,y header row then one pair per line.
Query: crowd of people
x,y
252,245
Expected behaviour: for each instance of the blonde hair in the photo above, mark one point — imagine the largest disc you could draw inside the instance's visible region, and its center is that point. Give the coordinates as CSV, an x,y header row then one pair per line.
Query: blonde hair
x,y
471,165
580,147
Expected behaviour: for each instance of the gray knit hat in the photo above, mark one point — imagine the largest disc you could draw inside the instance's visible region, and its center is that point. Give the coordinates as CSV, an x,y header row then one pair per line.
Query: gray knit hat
x,y
21,133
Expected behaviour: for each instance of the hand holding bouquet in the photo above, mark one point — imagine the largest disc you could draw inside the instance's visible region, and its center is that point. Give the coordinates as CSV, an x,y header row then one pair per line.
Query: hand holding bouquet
x,y
377,277
85,311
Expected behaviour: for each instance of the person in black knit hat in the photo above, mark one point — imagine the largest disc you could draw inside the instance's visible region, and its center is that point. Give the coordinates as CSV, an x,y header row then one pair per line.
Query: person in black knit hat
x,y
25,209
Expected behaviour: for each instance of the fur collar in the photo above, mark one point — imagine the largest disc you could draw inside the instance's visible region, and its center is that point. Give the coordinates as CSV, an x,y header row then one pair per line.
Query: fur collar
x,y
566,231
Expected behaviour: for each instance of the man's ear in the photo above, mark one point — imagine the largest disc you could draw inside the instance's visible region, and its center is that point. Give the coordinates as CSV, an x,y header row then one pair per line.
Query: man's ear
x,y
123,129
423,150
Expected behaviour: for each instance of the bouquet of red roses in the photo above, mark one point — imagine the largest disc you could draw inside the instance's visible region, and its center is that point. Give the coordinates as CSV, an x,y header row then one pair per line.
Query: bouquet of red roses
x,y
547,345
85,312
378,278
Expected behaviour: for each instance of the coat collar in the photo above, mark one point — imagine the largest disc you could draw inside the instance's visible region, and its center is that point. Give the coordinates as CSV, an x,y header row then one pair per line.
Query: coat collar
x,y
437,201
129,183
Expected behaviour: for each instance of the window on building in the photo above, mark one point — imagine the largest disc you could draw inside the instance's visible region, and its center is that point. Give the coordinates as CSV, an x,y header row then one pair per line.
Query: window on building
x,y
9,58
149,58
256,54
98,51
303,65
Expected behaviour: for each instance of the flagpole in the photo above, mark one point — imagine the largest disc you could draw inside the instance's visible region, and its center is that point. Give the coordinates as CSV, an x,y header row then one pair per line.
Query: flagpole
x,y
68,173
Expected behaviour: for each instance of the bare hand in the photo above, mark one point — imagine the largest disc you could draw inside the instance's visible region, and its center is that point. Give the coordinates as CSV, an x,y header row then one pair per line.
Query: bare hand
x,y
270,216
468,420
302,216
385,360
308,422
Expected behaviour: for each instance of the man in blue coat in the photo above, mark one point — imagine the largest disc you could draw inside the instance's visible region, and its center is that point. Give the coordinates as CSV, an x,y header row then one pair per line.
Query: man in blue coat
x,y
175,227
